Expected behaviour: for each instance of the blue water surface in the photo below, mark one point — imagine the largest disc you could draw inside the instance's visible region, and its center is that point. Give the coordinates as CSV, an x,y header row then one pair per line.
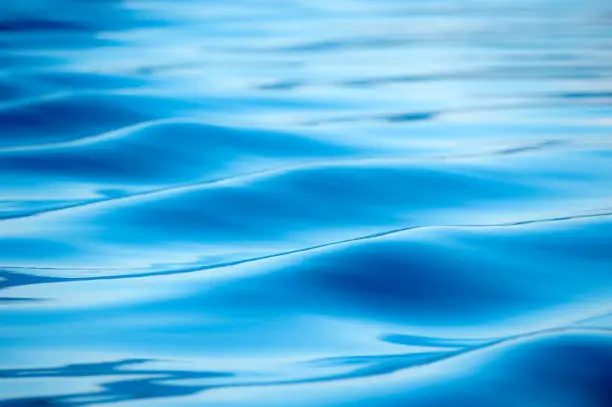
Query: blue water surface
x,y
310,203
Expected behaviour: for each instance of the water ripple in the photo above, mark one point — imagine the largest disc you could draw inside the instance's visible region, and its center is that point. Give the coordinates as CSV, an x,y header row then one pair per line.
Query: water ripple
x,y
307,203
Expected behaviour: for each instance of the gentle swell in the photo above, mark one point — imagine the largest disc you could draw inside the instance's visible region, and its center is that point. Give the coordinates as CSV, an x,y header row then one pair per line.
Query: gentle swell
x,y
305,203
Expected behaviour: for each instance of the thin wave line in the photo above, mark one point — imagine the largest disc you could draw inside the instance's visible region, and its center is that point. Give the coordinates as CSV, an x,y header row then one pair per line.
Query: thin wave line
x,y
119,133
31,101
175,188
264,173
87,140
301,250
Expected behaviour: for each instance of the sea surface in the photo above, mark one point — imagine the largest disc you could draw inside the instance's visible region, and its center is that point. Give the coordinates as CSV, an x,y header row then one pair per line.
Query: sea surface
x,y
306,203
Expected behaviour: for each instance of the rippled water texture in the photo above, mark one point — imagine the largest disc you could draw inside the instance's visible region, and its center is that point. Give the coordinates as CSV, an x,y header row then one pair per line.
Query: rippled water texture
x,y
311,203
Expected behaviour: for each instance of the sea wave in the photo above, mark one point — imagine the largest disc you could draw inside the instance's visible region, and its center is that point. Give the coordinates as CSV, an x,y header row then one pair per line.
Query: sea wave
x,y
305,203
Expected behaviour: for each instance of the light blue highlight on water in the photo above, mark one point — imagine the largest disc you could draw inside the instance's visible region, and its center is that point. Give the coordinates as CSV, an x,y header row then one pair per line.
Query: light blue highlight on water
x,y
305,203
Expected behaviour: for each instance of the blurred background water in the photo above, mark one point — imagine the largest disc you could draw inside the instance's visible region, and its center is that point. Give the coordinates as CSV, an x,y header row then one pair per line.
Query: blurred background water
x,y
306,203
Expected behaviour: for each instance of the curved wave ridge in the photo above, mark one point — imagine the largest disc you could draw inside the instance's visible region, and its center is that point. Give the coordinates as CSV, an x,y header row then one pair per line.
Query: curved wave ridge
x,y
268,203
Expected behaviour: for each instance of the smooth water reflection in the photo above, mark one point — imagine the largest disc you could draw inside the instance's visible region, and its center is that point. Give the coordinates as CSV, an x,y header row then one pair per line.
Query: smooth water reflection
x,y
305,203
